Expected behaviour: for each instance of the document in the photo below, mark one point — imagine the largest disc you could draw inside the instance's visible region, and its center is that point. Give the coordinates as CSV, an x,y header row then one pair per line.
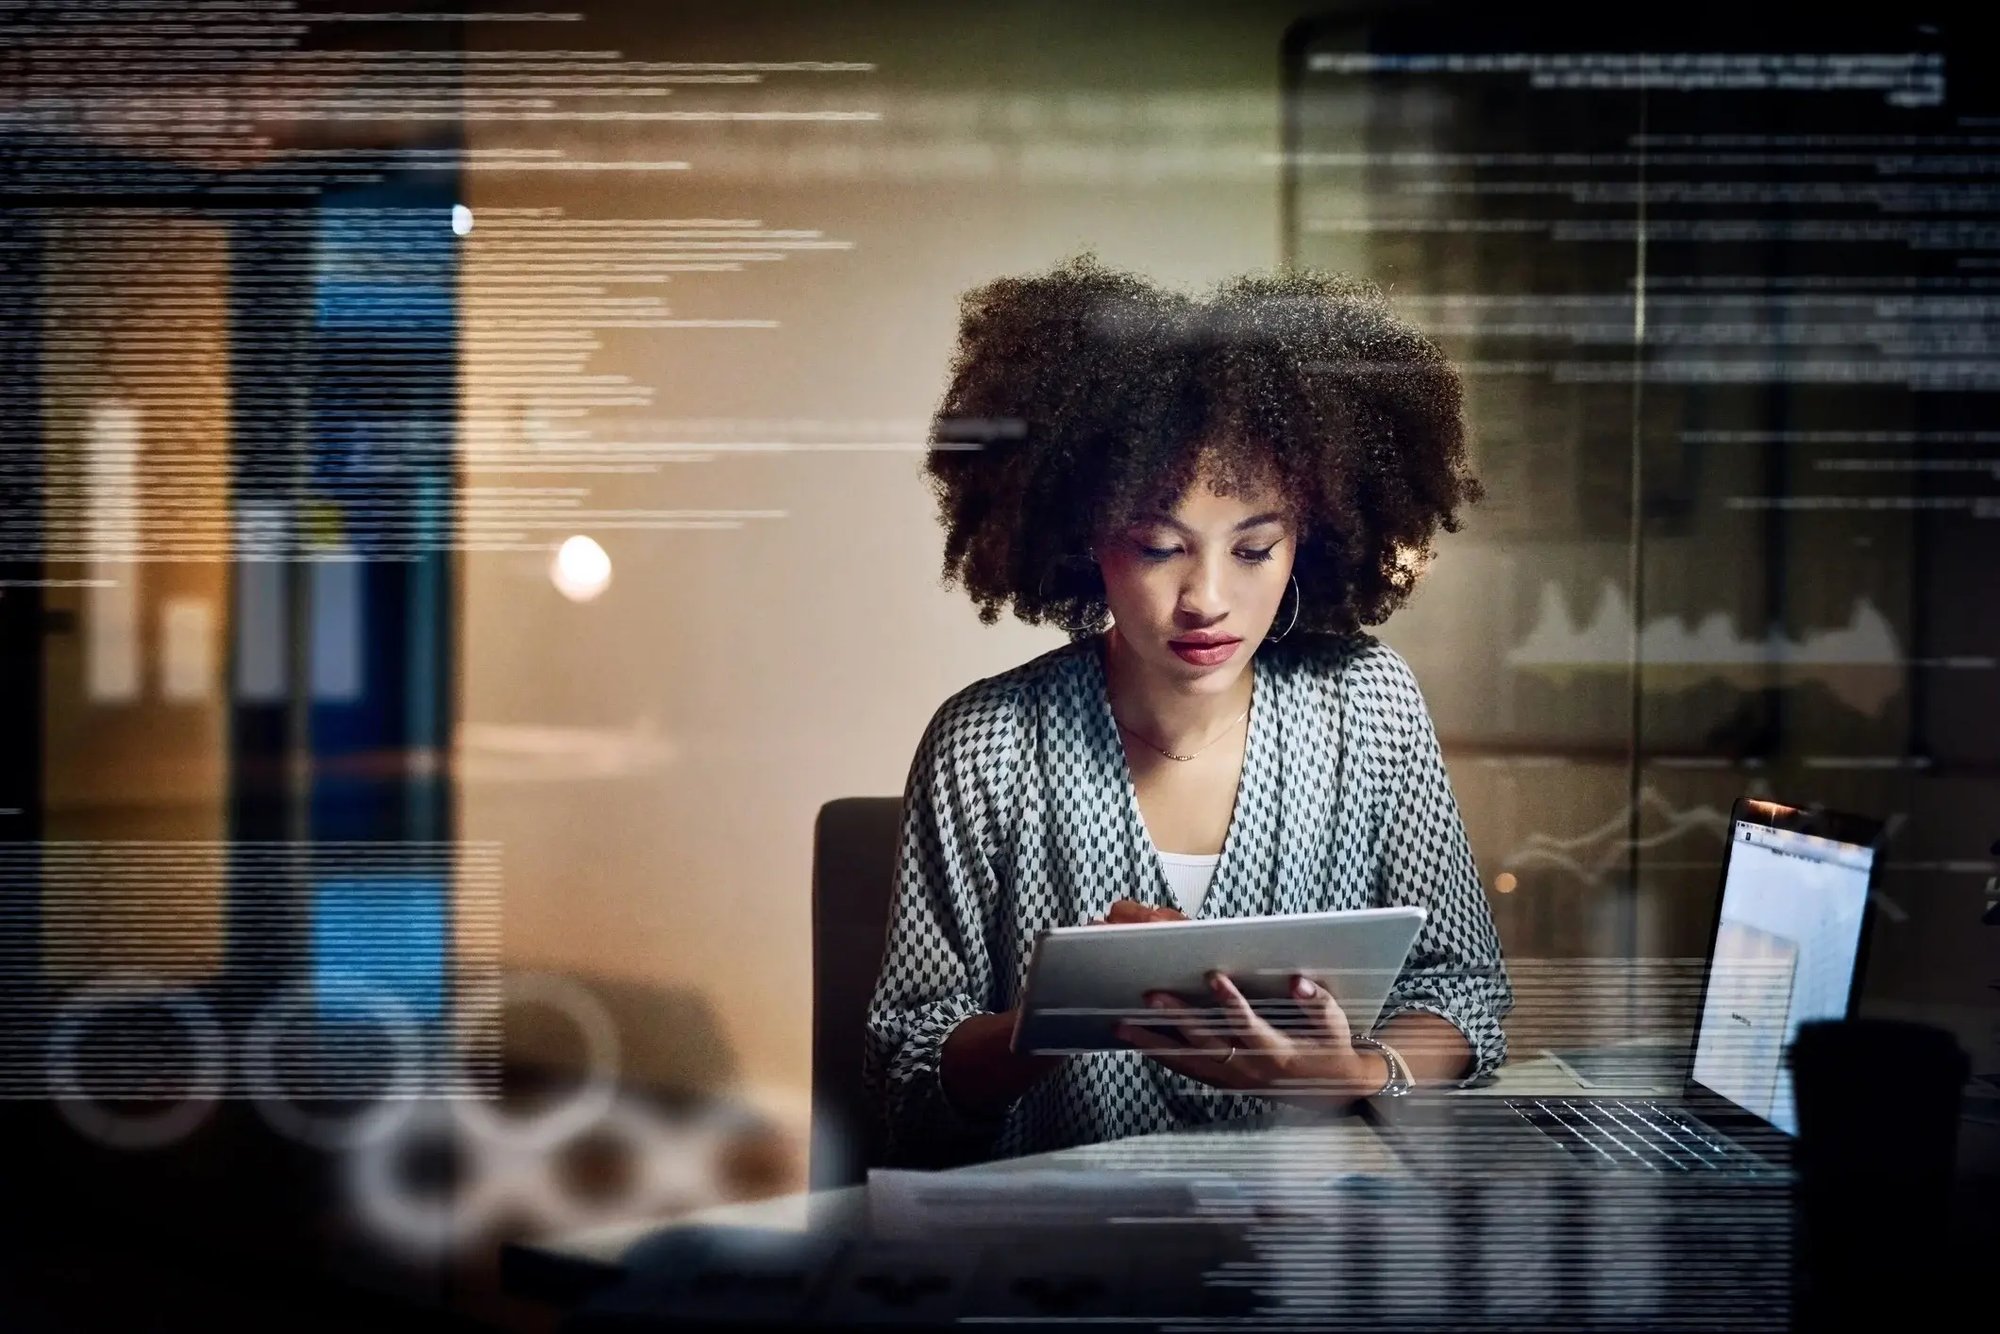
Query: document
x,y
1190,1179
916,1206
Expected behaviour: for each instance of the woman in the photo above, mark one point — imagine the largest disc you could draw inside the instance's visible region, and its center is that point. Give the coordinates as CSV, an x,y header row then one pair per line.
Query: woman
x,y
1238,483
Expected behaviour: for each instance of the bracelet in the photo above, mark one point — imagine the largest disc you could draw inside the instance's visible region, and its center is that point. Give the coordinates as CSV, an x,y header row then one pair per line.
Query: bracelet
x,y
1400,1080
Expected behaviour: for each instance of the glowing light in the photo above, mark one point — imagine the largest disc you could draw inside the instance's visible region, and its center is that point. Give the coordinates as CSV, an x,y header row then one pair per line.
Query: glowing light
x,y
111,619
1505,882
581,570
461,219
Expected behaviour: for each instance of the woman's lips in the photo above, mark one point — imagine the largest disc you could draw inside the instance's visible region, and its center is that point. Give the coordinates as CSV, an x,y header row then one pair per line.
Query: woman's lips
x,y
1205,655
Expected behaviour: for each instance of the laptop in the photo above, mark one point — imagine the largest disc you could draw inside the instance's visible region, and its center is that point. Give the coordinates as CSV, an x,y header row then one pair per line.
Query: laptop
x,y
1787,946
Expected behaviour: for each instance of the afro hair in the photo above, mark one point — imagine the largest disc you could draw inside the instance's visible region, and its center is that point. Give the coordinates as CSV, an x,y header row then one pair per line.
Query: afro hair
x,y
1086,396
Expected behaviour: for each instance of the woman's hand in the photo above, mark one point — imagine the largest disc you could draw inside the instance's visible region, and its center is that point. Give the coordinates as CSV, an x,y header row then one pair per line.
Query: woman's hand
x,y
1311,1062
1125,911
979,1070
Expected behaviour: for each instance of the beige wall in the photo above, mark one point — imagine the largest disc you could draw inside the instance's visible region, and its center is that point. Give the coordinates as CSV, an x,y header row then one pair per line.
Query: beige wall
x,y
731,681
652,761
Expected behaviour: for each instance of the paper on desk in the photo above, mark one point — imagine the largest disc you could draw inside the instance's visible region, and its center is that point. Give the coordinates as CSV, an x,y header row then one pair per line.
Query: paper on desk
x,y
1187,1178
920,1205
1282,1153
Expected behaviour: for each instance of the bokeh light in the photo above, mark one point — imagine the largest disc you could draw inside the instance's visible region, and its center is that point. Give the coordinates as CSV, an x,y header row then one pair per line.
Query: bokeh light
x,y
581,569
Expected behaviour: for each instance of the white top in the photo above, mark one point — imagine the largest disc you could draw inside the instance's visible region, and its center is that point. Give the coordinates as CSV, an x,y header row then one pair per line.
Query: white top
x,y
1189,874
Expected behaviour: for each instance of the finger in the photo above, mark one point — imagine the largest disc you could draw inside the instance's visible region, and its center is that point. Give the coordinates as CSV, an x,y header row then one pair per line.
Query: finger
x,y
1196,1025
1250,1028
1127,910
1322,1010
1206,1067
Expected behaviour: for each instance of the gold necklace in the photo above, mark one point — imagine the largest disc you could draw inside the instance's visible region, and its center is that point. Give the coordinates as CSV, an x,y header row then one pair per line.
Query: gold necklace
x,y
1184,758
1103,648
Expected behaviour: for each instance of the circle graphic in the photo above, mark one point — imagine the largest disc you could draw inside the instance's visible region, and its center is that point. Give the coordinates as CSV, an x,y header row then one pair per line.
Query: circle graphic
x,y
676,1167
589,1104
390,1109
120,1130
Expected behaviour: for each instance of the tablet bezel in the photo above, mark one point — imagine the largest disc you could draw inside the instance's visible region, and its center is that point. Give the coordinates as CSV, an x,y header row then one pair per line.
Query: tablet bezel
x,y
1244,934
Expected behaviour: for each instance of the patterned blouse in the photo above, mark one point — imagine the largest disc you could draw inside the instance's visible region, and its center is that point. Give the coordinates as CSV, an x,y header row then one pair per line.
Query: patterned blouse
x,y
1019,813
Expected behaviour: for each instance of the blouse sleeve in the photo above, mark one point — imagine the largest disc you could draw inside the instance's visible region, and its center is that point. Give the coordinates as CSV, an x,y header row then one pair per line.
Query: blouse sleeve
x,y
936,965
1454,969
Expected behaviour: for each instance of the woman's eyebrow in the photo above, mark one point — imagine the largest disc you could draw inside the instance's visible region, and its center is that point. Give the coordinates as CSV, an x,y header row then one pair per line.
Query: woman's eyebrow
x,y
1268,516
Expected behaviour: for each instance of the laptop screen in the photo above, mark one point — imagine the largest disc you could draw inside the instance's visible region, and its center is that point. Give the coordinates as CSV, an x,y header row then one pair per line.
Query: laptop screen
x,y
1785,952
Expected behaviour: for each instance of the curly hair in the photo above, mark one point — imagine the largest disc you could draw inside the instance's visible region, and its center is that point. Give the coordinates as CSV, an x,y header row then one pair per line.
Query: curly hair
x,y
1081,398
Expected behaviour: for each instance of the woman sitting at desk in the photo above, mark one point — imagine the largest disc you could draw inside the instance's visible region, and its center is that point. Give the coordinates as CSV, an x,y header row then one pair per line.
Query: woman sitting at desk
x,y
1236,484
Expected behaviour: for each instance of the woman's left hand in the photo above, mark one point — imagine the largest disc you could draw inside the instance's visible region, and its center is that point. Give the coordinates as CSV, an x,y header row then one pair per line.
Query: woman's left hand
x,y
1231,1046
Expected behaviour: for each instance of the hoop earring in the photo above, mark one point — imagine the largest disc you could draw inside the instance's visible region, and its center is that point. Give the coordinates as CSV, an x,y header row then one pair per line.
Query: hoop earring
x,y
1297,600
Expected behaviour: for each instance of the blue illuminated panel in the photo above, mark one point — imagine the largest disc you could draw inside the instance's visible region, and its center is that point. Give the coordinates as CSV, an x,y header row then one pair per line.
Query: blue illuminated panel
x,y
378,936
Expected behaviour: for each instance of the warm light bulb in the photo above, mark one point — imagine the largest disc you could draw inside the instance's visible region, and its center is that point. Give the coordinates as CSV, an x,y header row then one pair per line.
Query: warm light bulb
x,y
581,569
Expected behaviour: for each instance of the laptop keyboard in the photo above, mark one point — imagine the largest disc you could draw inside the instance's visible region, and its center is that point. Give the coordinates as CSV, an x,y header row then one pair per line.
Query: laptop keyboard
x,y
1634,1134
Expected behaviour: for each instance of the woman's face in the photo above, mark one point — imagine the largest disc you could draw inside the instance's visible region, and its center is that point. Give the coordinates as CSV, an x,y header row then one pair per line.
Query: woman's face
x,y
1211,572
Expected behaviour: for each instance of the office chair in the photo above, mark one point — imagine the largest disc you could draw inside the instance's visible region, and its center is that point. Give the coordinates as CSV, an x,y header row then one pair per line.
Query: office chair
x,y
854,854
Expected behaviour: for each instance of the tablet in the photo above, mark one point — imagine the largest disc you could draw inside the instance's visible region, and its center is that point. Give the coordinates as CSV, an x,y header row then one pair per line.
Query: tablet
x,y
1083,979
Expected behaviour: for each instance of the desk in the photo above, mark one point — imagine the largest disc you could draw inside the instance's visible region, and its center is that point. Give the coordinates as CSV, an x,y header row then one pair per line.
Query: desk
x,y
1343,1166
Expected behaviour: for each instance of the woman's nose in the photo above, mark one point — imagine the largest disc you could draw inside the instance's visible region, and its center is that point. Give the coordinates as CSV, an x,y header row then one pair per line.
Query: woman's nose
x,y
1201,594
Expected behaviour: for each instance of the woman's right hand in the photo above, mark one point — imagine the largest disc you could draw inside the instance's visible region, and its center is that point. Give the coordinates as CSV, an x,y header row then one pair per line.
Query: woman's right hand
x,y
1123,912
980,1069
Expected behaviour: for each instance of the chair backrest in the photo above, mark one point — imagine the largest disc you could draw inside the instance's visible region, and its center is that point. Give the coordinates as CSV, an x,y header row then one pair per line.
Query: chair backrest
x,y
854,858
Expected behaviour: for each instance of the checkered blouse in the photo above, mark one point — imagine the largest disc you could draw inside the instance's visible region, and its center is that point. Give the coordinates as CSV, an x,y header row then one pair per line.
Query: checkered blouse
x,y
1019,813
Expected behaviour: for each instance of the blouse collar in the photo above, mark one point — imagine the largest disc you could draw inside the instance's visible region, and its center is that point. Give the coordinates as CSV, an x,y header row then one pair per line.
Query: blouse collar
x,y
1239,887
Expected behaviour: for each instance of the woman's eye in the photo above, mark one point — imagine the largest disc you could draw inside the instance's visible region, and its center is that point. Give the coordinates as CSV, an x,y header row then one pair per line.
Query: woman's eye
x,y
1165,553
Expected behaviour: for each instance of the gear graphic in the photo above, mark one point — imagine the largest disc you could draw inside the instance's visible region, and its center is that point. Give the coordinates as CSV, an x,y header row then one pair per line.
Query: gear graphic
x,y
676,1166
511,1165
589,1104
508,1165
